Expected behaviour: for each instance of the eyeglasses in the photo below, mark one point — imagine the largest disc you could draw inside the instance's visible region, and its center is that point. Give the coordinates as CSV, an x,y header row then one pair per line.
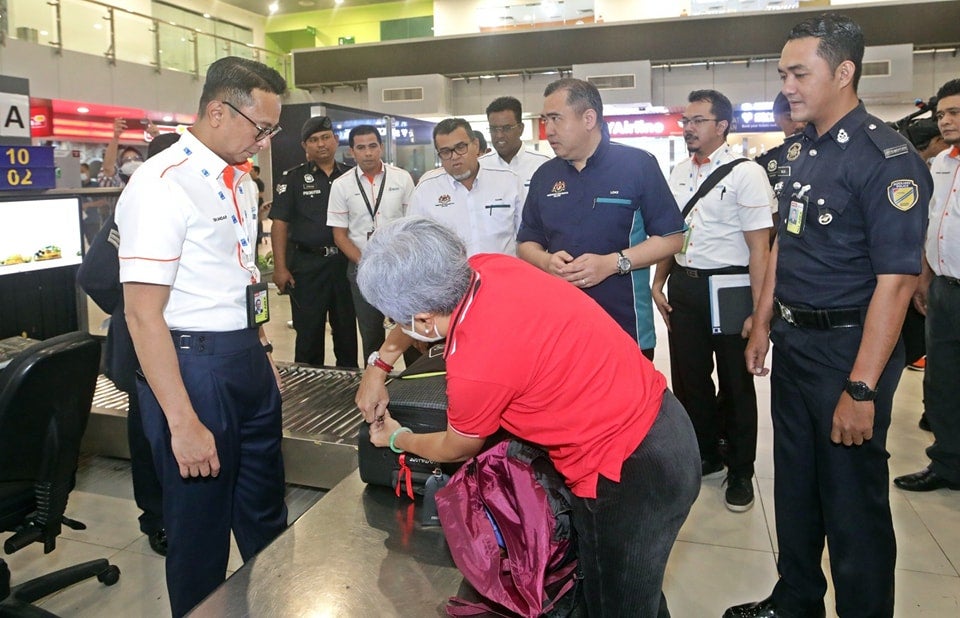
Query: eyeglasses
x,y
696,122
262,132
505,128
447,153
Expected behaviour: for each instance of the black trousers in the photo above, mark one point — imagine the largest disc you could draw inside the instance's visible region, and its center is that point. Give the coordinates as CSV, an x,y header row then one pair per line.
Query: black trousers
x,y
828,491
731,410
231,386
369,318
322,291
940,385
147,491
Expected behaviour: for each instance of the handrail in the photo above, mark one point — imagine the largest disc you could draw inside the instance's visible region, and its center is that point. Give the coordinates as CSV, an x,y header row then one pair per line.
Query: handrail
x,y
221,45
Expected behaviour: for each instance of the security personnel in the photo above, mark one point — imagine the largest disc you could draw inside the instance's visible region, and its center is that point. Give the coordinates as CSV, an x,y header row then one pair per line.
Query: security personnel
x,y
843,269
307,262
773,160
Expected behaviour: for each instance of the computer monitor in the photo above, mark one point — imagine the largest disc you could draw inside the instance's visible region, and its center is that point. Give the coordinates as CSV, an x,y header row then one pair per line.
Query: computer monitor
x,y
39,233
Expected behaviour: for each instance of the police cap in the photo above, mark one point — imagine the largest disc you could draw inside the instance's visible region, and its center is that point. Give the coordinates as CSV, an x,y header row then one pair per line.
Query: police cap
x,y
315,125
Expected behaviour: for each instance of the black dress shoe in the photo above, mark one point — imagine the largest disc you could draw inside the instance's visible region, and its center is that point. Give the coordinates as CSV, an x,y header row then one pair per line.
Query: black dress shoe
x,y
709,467
158,541
925,480
768,609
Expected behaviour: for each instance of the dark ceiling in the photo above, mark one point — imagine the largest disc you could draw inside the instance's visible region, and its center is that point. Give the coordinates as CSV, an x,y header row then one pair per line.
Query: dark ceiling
x,y
287,7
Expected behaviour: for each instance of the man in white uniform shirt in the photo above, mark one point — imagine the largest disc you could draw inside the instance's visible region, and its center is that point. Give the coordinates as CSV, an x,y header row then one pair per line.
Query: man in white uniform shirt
x,y
368,196
938,298
504,115
210,400
480,204
728,232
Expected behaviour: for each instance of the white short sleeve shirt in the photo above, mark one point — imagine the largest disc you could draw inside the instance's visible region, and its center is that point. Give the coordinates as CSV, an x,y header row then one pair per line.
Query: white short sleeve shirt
x,y
348,209
175,218
523,164
486,217
741,202
943,231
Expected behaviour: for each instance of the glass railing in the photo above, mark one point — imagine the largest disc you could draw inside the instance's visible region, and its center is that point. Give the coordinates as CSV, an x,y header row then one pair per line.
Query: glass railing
x,y
100,29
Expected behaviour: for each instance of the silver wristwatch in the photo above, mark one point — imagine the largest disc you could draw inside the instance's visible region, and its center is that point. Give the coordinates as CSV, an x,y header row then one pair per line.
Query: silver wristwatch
x,y
623,264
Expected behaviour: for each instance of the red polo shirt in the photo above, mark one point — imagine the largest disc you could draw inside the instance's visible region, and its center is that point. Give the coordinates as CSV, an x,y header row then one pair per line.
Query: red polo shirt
x,y
533,354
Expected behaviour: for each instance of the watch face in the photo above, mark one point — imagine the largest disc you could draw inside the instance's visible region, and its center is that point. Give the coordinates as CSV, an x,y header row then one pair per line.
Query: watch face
x,y
623,264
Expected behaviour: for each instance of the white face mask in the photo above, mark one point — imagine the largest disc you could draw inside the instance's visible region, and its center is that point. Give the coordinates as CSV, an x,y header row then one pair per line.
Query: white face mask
x,y
424,338
84,177
130,167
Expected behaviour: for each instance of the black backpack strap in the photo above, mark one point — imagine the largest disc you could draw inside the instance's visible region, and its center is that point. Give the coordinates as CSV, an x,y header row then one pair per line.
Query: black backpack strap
x,y
716,176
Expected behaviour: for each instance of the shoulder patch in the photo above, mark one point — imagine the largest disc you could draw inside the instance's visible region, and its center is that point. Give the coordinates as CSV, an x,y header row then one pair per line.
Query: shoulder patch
x,y
903,194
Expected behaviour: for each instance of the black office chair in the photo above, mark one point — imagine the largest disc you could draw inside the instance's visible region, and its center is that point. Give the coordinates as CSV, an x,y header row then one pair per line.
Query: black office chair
x,y
45,398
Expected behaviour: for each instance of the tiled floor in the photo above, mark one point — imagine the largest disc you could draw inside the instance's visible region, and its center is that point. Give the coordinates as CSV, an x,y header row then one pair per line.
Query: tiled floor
x,y
721,558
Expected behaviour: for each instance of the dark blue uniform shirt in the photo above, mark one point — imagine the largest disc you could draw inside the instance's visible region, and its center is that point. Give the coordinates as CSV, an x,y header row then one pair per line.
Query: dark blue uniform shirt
x,y
301,198
616,201
865,215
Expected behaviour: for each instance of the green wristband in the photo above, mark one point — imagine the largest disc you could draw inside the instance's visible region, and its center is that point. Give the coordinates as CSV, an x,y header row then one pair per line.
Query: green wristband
x,y
393,438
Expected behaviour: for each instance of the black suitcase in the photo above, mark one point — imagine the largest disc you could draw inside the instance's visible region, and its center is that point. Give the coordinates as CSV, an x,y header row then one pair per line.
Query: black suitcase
x,y
421,405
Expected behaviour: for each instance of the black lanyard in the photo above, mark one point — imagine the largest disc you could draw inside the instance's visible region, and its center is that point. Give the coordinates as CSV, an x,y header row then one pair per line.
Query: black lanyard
x,y
363,193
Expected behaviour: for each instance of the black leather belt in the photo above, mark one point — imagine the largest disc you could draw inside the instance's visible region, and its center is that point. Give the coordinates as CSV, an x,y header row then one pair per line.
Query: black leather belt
x,y
950,280
701,273
324,251
821,319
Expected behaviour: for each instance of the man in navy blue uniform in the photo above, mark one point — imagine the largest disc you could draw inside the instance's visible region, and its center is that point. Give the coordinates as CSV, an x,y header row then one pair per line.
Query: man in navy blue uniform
x,y
842,271
600,213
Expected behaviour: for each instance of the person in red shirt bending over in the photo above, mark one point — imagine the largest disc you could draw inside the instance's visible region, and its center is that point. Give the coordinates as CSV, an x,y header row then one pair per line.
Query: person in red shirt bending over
x,y
531,354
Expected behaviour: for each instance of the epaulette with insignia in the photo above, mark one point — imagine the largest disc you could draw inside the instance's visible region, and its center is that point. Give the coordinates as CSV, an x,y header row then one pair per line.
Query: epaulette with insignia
x,y
295,167
888,142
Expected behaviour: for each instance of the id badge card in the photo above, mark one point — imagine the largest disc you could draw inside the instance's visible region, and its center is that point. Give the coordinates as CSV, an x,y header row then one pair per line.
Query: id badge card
x,y
686,241
258,304
797,215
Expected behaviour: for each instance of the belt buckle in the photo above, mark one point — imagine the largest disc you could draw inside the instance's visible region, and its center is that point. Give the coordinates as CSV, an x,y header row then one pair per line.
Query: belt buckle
x,y
786,314
692,273
184,342
328,251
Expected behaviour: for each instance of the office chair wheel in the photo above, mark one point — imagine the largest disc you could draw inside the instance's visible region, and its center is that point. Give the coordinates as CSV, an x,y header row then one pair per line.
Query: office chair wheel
x,y
109,576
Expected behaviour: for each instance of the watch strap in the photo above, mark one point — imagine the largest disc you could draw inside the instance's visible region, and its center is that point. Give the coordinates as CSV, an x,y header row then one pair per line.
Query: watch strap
x,y
379,363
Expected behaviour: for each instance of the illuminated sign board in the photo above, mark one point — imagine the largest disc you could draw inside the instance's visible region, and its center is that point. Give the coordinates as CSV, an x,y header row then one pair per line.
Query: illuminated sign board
x,y
754,118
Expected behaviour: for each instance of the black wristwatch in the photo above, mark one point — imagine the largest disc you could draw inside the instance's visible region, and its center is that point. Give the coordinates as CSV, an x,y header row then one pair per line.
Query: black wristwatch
x,y
859,391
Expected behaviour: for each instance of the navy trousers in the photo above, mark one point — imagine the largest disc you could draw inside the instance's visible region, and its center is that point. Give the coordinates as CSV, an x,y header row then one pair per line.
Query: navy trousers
x,y
940,385
731,410
322,291
232,389
626,533
829,491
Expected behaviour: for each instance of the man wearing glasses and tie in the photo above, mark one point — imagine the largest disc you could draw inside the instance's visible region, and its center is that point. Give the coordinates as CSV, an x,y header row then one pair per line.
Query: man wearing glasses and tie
x,y
480,204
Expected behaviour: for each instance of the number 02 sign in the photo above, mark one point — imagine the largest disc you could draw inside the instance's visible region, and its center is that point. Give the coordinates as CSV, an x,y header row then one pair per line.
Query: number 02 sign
x,y
27,168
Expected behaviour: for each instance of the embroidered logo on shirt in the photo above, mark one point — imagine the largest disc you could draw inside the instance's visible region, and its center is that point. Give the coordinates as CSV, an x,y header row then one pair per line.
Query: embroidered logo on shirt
x,y
903,194
444,200
559,189
281,189
842,137
772,165
308,178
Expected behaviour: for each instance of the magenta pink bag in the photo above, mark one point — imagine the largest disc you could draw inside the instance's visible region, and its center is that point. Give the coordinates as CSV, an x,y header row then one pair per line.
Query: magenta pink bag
x,y
506,516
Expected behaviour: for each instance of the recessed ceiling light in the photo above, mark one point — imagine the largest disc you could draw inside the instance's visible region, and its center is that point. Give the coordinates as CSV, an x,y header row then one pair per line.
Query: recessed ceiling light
x,y
98,26
206,15
273,7
83,110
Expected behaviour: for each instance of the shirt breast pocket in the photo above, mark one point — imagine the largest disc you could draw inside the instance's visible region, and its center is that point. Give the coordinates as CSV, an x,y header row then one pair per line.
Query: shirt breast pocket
x,y
608,202
832,212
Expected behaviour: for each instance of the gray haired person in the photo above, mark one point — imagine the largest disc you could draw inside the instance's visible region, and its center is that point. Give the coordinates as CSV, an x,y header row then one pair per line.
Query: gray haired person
x,y
623,443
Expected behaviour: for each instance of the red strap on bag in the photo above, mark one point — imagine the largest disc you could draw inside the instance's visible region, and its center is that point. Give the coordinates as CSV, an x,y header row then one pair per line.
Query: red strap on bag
x,y
404,474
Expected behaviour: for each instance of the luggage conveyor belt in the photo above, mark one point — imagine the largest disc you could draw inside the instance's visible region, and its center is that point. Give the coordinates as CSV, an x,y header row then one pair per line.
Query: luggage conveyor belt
x,y
320,423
